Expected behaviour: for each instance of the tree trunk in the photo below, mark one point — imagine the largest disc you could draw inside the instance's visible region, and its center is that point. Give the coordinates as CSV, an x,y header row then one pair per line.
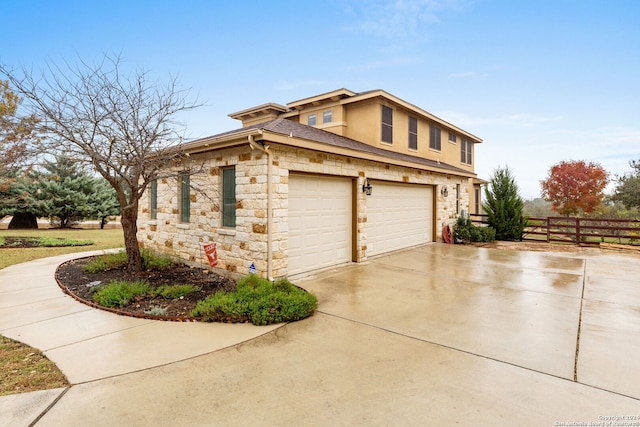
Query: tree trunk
x,y
129,221
103,221
23,220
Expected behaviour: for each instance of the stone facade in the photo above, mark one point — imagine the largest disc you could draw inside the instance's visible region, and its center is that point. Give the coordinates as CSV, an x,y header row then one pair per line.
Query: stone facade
x,y
245,244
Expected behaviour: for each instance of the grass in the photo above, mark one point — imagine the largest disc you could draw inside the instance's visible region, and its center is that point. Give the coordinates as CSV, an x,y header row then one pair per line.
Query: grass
x,y
26,369
23,368
102,239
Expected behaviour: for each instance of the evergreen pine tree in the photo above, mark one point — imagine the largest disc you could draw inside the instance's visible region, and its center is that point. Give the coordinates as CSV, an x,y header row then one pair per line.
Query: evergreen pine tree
x,y
504,206
63,192
103,202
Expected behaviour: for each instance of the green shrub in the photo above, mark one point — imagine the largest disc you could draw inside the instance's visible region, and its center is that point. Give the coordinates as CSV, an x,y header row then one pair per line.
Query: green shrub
x,y
464,232
486,234
260,301
119,293
222,306
107,262
155,261
175,291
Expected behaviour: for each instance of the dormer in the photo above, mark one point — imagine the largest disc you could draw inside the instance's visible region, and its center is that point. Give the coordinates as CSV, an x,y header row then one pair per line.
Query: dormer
x,y
324,111
260,114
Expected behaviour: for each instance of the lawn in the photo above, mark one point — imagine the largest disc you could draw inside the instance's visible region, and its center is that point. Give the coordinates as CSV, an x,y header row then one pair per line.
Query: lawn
x,y
22,368
103,239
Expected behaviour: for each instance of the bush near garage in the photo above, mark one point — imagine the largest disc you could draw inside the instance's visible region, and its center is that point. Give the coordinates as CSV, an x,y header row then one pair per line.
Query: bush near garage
x,y
464,231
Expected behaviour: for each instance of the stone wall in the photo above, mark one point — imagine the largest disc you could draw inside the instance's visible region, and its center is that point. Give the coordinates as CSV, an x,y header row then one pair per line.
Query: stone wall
x,y
245,244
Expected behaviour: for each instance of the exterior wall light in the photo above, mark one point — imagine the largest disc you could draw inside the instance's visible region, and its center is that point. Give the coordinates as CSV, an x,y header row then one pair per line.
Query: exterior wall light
x,y
367,188
444,191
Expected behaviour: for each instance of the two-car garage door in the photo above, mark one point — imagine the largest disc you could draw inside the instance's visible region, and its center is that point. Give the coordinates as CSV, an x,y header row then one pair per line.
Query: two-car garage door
x,y
321,220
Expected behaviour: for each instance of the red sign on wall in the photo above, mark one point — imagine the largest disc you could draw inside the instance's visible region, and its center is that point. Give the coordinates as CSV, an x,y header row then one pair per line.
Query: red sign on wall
x,y
212,254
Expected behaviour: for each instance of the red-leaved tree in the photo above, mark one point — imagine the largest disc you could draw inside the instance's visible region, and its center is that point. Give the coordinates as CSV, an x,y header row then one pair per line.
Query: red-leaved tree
x,y
575,187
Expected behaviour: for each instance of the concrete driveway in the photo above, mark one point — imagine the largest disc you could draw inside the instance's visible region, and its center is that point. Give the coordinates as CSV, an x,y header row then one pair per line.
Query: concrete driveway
x,y
436,335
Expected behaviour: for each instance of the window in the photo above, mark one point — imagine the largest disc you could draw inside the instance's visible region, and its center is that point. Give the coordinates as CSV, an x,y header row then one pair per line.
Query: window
x,y
458,199
477,201
413,133
185,198
387,124
452,137
229,197
327,116
434,138
311,119
466,148
153,208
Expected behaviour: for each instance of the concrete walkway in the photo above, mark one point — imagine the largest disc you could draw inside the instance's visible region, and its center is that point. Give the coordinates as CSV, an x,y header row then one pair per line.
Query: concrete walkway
x,y
436,335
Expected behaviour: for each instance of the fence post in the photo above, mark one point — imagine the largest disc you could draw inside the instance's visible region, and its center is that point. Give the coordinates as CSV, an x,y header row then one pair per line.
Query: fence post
x,y
548,229
577,230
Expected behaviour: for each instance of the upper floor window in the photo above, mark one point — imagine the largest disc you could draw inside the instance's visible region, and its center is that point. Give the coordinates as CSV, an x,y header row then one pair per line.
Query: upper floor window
x,y
452,137
153,198
185,197
229,197
434,138
327,116
466,148
387,124
413,133
311,119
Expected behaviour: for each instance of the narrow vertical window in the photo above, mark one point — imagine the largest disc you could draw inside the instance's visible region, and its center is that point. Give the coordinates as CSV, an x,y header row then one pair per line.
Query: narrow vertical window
x,y
311,119
327,116
477,201
229,197
434,137
387,124
185,198
465,151
153,196
413,133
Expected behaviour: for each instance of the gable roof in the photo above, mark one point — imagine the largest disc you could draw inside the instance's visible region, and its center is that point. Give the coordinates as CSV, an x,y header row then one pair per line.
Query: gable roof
x,y
295,130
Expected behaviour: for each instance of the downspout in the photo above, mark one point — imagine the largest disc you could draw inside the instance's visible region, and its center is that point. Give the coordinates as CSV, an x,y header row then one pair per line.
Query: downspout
x,y
265,149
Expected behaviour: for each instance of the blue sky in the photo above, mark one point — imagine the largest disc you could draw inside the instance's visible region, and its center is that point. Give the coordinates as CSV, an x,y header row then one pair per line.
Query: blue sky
x,y
539,81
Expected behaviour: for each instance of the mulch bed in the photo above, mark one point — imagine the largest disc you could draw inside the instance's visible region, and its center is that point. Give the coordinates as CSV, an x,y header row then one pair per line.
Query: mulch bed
x,y
74,280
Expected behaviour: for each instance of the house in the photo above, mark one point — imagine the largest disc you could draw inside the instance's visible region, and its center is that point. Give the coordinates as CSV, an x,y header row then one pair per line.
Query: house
x,y
327,180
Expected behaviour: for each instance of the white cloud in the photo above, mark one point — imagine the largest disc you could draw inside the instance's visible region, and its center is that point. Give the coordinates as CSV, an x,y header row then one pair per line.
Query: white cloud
x,y
399,19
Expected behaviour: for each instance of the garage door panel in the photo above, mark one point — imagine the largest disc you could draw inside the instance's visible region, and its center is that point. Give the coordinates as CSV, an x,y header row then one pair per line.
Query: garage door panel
x,y
398,216
319,222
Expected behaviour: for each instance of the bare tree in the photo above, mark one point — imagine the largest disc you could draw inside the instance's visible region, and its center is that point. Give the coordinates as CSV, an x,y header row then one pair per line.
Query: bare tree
x,y
16,133
122,123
